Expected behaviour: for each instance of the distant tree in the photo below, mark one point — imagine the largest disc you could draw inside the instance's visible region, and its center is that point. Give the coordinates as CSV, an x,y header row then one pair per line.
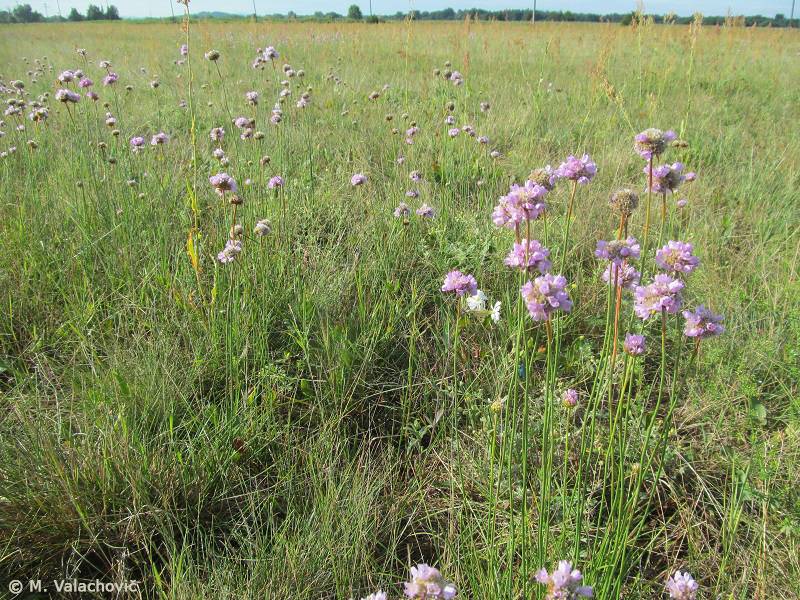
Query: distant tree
x,y
6,17
568,16
292,16
74,15
332,16
627,19
354,13
23,13
319,14
373,19
94,13
112,13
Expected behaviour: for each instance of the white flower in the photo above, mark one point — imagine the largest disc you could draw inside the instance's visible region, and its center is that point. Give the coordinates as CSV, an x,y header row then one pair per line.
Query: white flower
x,y
477,302
495,312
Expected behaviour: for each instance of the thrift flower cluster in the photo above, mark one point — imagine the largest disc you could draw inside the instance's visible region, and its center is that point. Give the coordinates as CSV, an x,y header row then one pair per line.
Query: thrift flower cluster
x,y
564,583
545,295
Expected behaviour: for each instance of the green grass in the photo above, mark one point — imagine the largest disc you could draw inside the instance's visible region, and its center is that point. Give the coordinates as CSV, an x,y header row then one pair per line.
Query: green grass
x,y
284,425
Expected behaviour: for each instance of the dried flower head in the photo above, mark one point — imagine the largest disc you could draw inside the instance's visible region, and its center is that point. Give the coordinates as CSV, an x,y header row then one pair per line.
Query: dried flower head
x,y
262,228
544,177
624,202
212,55
652,142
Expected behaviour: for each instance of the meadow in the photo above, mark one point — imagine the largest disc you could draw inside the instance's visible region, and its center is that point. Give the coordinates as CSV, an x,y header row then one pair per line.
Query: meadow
x,y
241,365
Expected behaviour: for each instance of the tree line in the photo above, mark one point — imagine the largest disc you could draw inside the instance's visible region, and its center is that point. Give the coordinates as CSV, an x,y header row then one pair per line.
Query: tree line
x,y
24,13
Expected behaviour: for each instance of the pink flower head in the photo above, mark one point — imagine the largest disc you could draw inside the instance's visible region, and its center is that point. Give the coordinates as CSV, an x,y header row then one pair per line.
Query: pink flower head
x,y
425,211
537,256
110,79
581,169
427,583
358,179
231,250
569,398
159,139
453,132
677,257
275,181
402,210
652,142
666,178
702,323
64,95
634,344
461,284
184,50
137,143
622,275
618,251
562,584
85,83
545,295
217,134
682,586
663,293
222,183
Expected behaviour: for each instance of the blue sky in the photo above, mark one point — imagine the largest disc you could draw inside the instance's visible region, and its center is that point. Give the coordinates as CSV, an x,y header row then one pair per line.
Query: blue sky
x,y
160,8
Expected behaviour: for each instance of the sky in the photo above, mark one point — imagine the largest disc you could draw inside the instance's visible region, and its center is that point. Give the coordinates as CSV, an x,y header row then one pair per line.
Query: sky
x,y
162,8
